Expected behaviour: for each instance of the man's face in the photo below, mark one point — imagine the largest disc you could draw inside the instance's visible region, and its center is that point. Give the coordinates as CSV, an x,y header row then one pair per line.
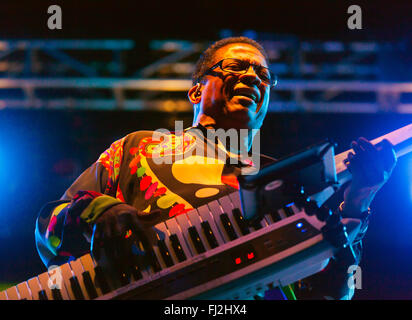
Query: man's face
x,y
237,101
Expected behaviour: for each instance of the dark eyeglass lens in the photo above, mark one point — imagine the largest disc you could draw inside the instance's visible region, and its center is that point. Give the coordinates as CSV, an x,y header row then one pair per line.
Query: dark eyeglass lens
x,y
239,66
233,65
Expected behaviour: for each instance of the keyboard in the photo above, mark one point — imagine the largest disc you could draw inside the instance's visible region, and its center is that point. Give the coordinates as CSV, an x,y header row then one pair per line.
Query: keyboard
x,y
207,253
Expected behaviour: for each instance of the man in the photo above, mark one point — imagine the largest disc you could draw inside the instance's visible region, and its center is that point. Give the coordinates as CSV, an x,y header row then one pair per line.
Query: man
x,y
128,190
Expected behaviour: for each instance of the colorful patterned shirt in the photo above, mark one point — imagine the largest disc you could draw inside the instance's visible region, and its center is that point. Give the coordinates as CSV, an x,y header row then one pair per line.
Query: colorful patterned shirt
x,y
145,172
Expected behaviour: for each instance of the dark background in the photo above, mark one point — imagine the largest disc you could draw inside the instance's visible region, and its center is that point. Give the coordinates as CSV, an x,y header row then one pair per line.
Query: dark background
x,y
43,151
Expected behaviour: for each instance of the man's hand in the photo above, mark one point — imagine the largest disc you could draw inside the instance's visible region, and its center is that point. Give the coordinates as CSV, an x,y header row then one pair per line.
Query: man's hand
x,y
116,232
371,167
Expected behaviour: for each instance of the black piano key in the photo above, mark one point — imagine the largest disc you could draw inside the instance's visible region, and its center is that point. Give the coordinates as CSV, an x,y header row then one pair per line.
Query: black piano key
x,y
275,216
228,226
151,257
123,276
77,291
165,253
288,211
135,271
177,247
240,221
88,283
56,293
43,295
197,242
256,224
209,234
101,280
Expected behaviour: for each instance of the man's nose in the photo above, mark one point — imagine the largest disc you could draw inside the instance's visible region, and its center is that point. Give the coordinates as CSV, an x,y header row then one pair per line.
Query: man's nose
x,y
251,76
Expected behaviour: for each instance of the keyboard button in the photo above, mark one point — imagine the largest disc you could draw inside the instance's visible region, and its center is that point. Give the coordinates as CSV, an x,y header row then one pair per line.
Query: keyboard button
x,y
196,240
177,247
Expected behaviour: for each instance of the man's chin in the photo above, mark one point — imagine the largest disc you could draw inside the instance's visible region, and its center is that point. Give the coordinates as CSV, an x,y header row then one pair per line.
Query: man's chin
x,y
240,116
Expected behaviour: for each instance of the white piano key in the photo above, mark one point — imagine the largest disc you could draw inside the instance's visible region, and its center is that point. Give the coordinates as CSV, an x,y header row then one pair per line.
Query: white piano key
x,y
12,293
57,273
175,229
268,219
195,220
3,295
184,225
207,216
164,235
282,214
147,270
67,274
159,258
35,287
24,291
235,198
216,210
78,270
44,283
264,222
229,205
88,265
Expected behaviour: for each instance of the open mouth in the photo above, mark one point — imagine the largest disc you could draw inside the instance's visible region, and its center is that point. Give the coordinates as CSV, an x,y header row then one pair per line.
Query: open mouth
x,y
248,93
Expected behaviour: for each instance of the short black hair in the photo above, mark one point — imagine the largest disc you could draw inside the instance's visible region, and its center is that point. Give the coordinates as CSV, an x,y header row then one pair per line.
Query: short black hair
x,y
203,63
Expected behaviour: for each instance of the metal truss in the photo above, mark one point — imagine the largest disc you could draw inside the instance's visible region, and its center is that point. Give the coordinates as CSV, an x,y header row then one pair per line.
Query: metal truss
x,y
314,77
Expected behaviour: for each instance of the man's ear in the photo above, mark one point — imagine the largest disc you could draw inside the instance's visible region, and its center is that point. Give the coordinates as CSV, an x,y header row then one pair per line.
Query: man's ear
x,y
195,93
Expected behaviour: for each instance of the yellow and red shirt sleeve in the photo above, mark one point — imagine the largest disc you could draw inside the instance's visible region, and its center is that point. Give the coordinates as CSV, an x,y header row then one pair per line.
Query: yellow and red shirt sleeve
x,y
63,227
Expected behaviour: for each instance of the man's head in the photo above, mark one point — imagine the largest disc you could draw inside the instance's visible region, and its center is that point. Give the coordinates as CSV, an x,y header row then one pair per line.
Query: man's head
x,y
231,99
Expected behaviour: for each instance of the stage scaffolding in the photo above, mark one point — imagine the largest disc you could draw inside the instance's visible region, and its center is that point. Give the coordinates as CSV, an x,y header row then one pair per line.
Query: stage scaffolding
x,y
314,76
